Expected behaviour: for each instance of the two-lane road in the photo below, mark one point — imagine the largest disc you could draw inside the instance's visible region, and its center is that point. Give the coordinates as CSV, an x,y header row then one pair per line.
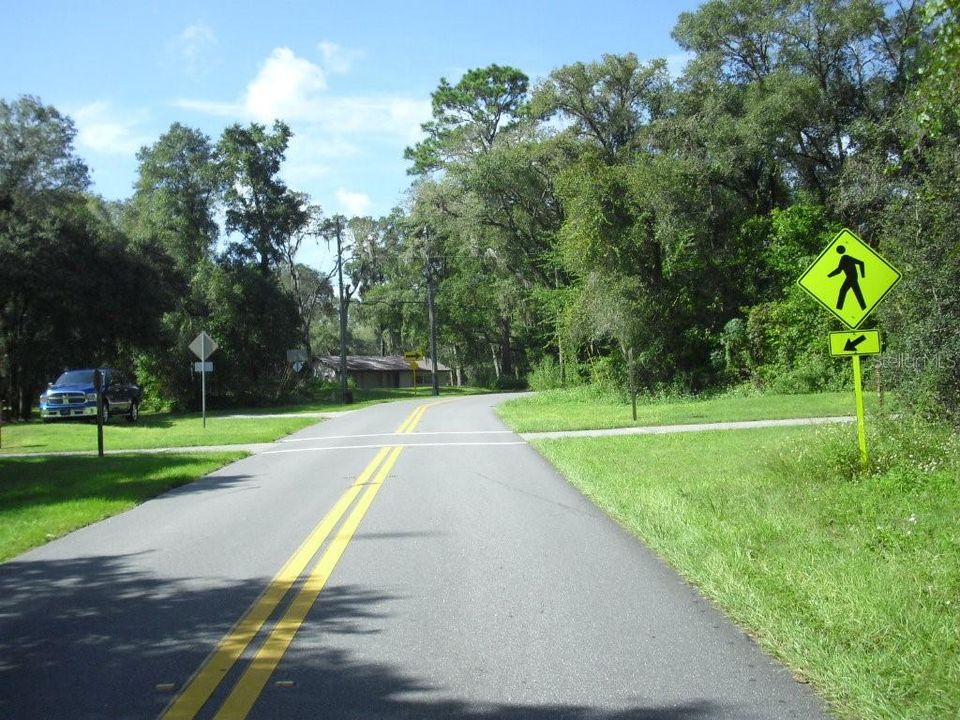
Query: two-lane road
x,y
411,560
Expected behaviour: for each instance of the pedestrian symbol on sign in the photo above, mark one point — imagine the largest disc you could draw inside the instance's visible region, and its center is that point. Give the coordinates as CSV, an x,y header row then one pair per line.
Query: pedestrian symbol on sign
x,y
848,266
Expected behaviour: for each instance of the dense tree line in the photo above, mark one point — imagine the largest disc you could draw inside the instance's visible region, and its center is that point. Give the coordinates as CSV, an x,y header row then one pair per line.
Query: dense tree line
x,y
613,210
131,283
611,222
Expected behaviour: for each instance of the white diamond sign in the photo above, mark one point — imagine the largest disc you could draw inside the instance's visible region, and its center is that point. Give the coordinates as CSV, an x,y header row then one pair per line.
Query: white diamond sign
x,y
203,346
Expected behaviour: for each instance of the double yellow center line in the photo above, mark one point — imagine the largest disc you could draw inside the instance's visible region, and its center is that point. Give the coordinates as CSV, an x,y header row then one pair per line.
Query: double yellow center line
x,y
232,647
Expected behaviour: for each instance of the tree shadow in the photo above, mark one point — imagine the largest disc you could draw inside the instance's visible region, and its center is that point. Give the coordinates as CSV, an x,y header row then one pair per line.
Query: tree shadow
x,y
29,482
98,637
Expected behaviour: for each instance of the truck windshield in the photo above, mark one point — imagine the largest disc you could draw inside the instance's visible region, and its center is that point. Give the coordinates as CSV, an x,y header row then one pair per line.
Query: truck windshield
x,y
76,377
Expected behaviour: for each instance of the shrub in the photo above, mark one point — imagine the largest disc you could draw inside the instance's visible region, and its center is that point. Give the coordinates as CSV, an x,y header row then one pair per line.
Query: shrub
x,y
548,375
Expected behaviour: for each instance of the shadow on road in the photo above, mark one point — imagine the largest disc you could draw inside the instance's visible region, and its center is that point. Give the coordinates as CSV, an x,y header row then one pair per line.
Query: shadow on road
x,y
94,637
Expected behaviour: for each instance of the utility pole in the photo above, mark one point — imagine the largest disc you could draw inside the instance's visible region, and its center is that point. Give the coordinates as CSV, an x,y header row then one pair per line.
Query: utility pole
x,y
431,316
343,312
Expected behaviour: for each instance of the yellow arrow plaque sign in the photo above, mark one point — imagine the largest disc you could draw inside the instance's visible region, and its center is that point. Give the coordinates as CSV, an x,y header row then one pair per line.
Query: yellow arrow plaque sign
x,y
855,342
849,278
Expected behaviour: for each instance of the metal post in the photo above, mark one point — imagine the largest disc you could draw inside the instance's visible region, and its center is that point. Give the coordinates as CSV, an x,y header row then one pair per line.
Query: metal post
x,y
203,377
343,317
633,382
98,386
861,423
433,328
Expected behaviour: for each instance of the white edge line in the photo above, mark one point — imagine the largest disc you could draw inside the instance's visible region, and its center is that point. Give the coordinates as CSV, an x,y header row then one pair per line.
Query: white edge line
x,y
404,445
445,432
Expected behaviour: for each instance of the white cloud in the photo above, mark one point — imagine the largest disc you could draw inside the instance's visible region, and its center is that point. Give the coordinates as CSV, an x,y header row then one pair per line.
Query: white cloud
x,y
195,46
337,138
398,117
353,203
212,107
286,87
101,129
309,142
293,89
338,60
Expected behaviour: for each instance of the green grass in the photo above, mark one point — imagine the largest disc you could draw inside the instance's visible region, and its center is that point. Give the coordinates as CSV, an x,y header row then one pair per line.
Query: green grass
x,y
152,431
853,581
45,498
585,409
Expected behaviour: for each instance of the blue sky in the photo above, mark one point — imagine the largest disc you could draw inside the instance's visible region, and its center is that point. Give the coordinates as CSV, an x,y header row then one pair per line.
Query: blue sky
x,y
352,78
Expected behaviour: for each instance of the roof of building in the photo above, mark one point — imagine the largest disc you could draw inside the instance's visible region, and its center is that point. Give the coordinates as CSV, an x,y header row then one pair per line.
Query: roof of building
x,y
378,363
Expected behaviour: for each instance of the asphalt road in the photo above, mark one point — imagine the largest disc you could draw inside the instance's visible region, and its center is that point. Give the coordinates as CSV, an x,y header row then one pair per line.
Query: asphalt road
x,y
410,560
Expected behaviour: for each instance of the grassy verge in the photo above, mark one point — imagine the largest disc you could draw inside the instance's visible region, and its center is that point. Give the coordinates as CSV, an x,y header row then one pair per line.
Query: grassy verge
x,y
853,581
584,409
152,431
45,498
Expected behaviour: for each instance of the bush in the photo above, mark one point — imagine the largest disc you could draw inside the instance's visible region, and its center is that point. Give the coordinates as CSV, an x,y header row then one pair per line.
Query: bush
x,y
904,453
150,376
547,375
480,376
788,351
609,375
509,382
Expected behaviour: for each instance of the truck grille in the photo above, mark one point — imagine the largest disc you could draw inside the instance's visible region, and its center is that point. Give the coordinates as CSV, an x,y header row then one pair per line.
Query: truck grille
x,y
66,399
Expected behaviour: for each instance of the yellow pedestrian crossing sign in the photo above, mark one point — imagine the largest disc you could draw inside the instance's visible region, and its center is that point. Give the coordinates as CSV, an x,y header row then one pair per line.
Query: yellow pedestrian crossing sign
x,y
849,278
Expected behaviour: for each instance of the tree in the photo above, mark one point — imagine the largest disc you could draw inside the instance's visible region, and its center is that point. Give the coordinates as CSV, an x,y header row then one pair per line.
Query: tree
x,y
805,74
176,196
310,289
37,162
74,321
493,199
40,178
254,322
939,89
609,101
388,277
259,204
469,116
171,221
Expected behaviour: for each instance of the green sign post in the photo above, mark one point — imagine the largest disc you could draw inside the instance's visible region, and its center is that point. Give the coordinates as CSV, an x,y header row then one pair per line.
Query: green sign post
x,y
850,279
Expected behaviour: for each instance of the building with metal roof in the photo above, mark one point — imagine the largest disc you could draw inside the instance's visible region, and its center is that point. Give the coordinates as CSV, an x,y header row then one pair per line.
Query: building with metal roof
x,y
390,371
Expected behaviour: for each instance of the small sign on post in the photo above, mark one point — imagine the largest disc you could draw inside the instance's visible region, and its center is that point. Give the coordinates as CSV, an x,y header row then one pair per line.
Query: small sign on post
x,y
855,342
296,355
413,360
203,346
297,359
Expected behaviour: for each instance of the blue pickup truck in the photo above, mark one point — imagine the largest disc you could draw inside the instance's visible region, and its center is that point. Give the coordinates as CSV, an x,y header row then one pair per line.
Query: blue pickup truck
x,y
73,395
